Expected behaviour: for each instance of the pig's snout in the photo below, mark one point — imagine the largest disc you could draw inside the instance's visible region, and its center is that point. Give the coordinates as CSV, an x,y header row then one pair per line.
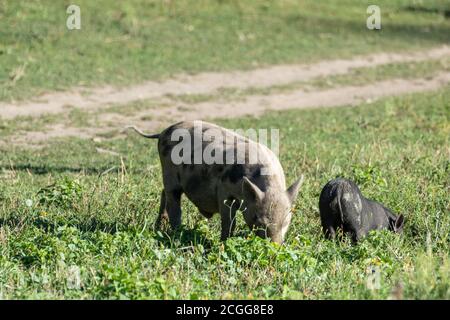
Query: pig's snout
x,y
265,233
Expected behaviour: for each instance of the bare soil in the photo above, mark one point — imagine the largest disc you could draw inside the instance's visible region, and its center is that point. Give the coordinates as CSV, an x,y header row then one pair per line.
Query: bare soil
x,y
152,119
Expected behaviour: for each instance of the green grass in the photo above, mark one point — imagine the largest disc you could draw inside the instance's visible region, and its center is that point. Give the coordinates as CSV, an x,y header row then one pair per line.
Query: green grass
x,y
355,77
66,208
95,212
128,42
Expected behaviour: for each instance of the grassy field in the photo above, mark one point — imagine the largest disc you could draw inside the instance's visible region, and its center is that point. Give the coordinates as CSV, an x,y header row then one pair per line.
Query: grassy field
x,y
356,77
66,209
128,42
78,223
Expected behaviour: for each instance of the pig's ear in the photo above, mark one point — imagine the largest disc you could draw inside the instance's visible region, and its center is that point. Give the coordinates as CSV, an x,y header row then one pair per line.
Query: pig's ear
x,y
251,191
399,223
292,191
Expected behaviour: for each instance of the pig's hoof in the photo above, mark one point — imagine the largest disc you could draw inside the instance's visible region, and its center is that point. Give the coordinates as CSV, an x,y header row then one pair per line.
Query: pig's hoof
x,y
162,223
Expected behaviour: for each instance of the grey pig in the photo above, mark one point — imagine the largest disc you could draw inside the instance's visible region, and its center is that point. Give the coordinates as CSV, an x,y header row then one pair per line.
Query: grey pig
x,y
225,187
343,206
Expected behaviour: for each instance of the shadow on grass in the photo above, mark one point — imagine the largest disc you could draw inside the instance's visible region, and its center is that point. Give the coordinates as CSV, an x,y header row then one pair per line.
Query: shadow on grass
x,y
90,225
421,9
180,238
183,238
46,169
392,31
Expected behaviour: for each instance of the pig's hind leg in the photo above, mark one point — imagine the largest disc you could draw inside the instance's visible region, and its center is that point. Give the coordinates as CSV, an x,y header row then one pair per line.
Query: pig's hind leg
x,y
329,223
163,216
173,207
172,196
329,232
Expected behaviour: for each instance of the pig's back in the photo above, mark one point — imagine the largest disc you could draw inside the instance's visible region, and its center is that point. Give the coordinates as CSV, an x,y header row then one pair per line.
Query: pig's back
x,y
200,181
342,199
265,159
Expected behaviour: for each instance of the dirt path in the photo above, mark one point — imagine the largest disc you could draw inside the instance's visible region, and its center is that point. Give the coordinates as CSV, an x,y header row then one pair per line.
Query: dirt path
x,y
205,83
154,118
299,99
252,105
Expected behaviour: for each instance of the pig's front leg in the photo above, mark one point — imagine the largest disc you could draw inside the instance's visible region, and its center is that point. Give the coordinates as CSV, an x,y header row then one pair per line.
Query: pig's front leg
x,y
228,210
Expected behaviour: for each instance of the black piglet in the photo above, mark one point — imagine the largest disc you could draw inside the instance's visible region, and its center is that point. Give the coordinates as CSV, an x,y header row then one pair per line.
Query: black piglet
x,y
343,206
